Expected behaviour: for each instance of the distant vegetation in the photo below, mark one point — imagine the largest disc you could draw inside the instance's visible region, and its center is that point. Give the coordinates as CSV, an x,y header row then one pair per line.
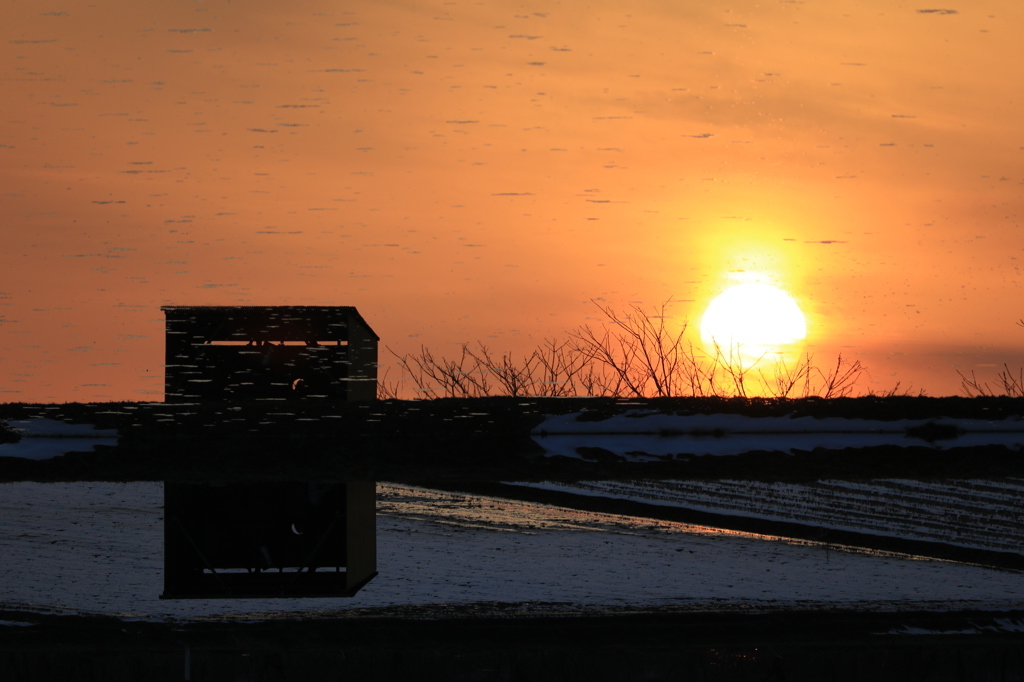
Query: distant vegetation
x,y
1007,382
631,355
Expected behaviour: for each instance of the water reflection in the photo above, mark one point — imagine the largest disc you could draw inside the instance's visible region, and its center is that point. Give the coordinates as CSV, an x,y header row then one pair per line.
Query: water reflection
x,y
268,539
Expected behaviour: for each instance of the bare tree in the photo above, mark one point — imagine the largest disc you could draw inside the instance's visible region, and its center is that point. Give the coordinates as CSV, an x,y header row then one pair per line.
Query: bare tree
x,y
514,379
634,354
1010,384
444,378
783,379
562,372
840,381
642,356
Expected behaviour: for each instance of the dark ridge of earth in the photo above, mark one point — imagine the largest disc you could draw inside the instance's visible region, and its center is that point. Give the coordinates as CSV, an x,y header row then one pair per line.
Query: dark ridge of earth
x,y
485,439
440,643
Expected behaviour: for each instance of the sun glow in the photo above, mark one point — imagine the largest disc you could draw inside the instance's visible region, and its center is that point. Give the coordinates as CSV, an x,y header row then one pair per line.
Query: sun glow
x,y
751,322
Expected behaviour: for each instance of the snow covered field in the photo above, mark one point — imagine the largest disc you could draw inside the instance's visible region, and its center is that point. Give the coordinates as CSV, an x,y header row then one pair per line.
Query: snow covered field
x,y
97,548
637,435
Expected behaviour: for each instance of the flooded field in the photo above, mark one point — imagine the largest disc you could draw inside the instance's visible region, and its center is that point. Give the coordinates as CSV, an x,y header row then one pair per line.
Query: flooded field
x,y
978,514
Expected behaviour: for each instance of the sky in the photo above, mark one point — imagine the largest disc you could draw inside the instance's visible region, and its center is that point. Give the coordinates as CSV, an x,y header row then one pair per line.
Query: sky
x,y
466,172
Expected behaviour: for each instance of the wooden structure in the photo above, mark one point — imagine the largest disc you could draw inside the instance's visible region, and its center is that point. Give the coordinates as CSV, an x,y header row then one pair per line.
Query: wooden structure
x,y
276,539
241,353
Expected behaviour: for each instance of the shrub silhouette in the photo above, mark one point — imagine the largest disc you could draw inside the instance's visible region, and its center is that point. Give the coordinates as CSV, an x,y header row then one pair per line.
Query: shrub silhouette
x,y
630,355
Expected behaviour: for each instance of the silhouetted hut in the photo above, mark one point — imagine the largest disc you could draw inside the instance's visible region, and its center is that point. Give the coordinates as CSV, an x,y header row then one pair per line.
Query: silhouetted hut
x,y
268,353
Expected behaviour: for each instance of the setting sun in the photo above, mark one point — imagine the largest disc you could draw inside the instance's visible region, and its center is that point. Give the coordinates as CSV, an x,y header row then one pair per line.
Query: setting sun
x,y
752,321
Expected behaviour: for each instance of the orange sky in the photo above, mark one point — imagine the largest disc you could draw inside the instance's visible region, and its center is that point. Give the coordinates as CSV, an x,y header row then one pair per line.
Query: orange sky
x,y
464,171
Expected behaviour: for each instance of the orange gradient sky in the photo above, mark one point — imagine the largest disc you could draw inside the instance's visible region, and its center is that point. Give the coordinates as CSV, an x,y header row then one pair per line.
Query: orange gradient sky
x,y
481,171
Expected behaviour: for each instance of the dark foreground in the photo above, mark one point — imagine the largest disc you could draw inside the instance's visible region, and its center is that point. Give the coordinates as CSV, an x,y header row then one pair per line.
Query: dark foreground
x,y
473,445
440,644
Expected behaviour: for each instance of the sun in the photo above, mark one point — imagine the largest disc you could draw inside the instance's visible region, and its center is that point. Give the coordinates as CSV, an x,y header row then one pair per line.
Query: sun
x,y
749,322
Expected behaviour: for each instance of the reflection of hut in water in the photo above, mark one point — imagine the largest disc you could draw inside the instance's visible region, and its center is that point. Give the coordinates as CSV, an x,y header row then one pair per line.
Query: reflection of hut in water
x,y
285,539
269,353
